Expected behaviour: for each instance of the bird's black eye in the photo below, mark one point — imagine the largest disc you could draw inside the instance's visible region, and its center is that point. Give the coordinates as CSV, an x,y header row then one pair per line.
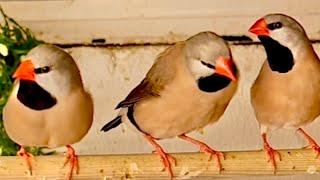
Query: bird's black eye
x,y
41,70
273,26
208,65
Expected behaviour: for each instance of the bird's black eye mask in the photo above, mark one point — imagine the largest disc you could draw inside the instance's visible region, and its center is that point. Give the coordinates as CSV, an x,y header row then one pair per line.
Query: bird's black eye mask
x,y
275,25
279,57
42,70
208,65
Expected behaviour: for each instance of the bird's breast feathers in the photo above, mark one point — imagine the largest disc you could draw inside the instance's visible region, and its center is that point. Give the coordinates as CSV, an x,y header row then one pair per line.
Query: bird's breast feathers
x,y
287,99
64,123
181,107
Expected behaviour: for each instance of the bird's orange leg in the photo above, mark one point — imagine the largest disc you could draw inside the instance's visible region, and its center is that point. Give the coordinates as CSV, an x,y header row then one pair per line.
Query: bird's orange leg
x,y
71,158
270,152
27,157
165,158
312,143
206,149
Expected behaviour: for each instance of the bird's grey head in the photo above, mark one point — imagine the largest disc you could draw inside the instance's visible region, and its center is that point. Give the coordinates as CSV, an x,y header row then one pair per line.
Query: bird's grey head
x,y
52,68
283,29
207,54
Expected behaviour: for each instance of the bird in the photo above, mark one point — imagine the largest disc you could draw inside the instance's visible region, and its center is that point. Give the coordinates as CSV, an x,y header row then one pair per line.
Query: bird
x,y
286,92
188,87
48,106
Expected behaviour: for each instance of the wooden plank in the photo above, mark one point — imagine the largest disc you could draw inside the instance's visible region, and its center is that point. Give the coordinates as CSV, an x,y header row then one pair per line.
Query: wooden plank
x,y
146,21
148,166
141,31
149,9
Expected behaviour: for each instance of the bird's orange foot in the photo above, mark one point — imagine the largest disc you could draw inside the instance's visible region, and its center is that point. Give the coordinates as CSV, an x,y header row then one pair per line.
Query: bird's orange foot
x,y
315,147
206,149
72,158
271,156
166,158
312,143
27,157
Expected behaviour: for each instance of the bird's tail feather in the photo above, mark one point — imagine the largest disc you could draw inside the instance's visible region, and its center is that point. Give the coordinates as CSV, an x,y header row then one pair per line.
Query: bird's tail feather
x,y
112,124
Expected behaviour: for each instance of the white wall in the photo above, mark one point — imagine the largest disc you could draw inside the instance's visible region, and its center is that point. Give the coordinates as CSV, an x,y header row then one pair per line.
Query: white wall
x,y
110,73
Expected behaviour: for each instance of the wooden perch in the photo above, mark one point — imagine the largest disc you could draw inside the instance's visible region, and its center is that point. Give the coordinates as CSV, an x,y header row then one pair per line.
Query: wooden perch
x,y
148,166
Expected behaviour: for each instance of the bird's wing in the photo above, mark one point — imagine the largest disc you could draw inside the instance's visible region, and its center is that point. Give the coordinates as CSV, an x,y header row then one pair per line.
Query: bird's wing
x,y
161,73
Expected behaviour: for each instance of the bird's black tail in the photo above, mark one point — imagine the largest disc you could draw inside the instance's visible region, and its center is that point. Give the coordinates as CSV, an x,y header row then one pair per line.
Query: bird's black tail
x,y
112,124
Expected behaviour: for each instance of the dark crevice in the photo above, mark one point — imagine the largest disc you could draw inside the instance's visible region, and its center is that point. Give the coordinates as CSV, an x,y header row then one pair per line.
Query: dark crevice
x,y
106,45
98,41
315,40
233,40
242,38
246,43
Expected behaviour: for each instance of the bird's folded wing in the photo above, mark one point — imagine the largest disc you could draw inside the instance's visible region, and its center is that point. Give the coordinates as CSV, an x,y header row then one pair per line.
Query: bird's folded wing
x,y
161,73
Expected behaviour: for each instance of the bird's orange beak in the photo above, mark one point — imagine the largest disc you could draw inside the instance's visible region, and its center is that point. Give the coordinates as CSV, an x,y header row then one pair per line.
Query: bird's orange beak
x,y
260,28
25,71
225,67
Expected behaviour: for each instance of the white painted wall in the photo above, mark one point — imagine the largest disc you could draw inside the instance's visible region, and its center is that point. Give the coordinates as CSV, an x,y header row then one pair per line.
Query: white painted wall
x,y
110,73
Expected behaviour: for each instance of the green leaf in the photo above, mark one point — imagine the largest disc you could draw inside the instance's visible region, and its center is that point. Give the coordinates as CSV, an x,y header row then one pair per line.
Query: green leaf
x,y
19,41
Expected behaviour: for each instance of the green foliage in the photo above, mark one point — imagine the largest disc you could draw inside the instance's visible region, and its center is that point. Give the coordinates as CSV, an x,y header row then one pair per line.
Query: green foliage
x,y
17,41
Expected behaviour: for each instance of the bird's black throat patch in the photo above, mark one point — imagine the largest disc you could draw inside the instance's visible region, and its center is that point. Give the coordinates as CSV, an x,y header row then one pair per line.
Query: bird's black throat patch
x,y
34,96
213,83
280,58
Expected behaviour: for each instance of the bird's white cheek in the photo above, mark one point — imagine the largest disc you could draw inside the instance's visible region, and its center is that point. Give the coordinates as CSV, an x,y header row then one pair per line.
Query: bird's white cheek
x,y
50,83
286,38
199,70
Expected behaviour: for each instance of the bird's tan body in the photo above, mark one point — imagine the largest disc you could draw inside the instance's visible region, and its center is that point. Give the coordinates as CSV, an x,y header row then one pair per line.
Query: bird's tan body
x,y
181,106
65,123
288,100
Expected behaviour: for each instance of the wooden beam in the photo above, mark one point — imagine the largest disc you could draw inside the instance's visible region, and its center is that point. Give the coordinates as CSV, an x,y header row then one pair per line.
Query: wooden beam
x,y
141,21
148,166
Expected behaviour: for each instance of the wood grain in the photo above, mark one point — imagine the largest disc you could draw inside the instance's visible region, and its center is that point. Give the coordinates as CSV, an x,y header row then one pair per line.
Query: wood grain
x,y
148,166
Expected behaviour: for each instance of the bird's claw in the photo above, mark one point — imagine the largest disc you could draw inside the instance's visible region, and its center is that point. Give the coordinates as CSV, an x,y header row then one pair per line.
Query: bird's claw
x,y
316,149
206,149
166,160
271,156
71,158
27,157
312,143
169,159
